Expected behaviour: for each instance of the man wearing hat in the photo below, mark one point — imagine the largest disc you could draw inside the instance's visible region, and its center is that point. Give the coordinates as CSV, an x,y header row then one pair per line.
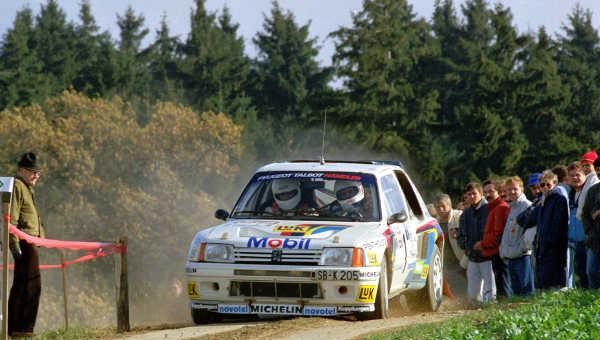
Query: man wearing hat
x,y
597,167
533,183
24,296
587,165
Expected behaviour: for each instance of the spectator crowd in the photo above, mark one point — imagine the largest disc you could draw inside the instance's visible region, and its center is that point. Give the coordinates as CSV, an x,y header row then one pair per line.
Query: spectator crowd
x,y
511,244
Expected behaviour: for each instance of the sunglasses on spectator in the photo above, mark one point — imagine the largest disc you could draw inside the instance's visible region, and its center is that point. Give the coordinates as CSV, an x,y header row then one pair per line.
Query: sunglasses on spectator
x,y
545,184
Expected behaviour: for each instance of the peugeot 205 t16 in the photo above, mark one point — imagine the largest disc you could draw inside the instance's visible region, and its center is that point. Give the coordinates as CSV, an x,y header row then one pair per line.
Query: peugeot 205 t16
x,y
318,239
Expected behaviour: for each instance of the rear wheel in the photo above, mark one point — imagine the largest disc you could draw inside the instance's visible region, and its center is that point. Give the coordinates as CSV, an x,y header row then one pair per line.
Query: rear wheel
x,y
382,302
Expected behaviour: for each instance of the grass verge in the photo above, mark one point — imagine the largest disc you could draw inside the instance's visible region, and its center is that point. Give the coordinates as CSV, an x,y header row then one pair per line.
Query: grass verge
x,y
573,314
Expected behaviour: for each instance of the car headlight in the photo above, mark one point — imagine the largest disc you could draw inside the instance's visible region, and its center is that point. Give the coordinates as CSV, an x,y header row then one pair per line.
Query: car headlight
x,y
336,257
342,257
215,252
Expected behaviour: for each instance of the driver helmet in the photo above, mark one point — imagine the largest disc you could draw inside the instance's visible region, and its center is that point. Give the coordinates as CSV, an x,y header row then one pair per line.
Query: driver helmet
x,y
286,193
349,193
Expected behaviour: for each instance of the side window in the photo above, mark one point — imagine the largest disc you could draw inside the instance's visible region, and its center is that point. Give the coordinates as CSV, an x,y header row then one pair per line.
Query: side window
x,y
394,202
409,192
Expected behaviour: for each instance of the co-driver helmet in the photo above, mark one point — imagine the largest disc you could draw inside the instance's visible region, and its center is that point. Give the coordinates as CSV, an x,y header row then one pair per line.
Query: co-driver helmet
x,y
349,192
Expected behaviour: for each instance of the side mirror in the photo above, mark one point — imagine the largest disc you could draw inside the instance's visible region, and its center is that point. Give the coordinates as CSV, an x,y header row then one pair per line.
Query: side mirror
x,y
221,214
399,217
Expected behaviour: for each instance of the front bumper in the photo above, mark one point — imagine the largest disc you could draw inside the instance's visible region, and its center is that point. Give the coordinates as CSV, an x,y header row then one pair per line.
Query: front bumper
x,y
281,289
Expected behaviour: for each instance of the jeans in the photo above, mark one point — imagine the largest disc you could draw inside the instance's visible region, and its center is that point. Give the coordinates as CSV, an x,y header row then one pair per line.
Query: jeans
x,y
502,277
593,269
577,264
521,275
481,285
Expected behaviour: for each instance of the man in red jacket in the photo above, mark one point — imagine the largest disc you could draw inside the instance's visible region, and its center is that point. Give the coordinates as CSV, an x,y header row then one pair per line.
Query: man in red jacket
x,y
492,234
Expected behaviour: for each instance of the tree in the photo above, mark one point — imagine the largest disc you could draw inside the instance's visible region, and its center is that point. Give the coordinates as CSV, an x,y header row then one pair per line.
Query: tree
x,y
53,42
21,71
578,62
542,96
383,59
479,61
214,69
286,74
132,75
95,55
163,58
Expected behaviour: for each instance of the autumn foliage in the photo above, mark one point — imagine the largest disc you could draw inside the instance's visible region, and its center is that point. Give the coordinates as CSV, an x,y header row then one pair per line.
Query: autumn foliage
x,y
105,176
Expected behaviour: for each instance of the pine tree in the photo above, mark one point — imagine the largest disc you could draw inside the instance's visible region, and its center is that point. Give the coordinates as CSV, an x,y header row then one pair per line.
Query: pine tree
x,y
163,58
214,68
480,62
21,72
384,58
53,43
542,96
91,55
579,66
286,72
132,76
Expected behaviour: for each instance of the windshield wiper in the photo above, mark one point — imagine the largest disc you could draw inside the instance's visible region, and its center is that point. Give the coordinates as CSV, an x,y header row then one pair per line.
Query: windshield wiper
x,y
253,212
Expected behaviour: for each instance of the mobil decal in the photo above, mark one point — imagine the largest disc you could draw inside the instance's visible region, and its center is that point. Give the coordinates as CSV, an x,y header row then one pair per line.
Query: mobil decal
x,y
275,243
307,229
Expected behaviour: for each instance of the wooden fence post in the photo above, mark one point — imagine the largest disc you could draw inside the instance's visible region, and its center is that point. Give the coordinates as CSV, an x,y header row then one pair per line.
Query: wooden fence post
x,y
64,281
123,298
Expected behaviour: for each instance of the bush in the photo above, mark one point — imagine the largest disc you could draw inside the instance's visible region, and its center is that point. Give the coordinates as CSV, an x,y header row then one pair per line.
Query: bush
x,y
106,175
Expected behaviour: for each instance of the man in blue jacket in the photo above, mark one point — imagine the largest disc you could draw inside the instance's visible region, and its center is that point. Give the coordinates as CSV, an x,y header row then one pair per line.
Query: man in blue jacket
x,y
480,276
552,219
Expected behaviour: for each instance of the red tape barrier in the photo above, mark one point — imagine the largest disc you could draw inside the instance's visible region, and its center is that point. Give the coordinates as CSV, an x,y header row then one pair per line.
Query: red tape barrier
x,y
94,249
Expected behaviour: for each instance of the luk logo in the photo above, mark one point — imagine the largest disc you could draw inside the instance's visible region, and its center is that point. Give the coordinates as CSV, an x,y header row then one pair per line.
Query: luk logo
x,y
366,294
275,243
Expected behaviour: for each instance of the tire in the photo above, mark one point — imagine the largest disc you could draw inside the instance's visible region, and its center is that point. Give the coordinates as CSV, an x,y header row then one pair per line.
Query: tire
x,y
201,316
434,281
429,298
382,302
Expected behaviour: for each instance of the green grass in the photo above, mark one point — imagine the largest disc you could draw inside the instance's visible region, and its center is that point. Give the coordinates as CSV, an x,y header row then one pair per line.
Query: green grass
x,y
76,333
572,314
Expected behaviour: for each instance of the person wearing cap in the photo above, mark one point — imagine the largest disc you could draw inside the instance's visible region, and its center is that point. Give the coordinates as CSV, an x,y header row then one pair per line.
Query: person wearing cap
x,y
597,167
23,301
533,183
587,165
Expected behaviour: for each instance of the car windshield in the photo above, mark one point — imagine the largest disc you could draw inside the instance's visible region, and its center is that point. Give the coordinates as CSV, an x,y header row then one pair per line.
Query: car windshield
x,y
310,195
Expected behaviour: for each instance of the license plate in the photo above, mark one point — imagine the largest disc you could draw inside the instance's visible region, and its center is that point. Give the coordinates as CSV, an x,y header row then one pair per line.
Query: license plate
x,y
336,275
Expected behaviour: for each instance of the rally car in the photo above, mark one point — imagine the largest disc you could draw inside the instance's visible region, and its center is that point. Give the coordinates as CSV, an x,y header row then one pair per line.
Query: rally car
x,y
317,238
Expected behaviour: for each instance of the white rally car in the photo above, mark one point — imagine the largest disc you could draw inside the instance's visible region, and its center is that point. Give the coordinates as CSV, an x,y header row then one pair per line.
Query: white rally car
x,y
318,239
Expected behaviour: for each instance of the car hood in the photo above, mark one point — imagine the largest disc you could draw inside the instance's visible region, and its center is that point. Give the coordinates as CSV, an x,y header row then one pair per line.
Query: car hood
x,y
293,234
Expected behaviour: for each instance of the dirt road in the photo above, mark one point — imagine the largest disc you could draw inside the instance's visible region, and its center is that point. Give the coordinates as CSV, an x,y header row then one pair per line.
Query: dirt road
x,y
340,328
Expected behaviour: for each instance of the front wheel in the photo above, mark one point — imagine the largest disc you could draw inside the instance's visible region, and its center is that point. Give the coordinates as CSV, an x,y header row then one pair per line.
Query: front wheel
x,y
382,302
429,298
435,280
